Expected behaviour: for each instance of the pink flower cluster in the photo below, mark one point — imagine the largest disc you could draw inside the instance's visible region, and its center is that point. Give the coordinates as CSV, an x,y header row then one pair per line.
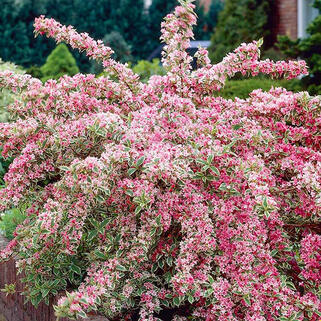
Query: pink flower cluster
x,y
145,198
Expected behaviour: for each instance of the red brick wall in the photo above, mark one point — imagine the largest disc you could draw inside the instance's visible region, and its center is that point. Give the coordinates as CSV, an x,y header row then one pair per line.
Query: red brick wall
x,y
284,16
12,307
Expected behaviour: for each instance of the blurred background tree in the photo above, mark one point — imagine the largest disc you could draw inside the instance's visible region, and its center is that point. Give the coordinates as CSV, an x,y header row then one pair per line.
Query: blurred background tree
x,y
215,8
156,13
139,26
122,51
308,49
98,18
145,69
60,62
239,21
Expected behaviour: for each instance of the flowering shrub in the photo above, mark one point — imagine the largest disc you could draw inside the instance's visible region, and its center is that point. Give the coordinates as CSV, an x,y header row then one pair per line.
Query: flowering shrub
x,y
6,97
145,198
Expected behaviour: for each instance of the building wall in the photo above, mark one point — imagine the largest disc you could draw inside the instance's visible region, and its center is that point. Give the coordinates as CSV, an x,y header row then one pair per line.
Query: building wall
x,y
285,18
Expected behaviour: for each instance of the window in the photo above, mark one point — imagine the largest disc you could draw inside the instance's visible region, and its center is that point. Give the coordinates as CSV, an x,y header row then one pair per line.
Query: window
x,y
147,3
306,13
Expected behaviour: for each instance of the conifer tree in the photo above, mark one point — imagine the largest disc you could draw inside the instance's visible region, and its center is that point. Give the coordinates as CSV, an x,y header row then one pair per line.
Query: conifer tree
x,y
240,21
60,62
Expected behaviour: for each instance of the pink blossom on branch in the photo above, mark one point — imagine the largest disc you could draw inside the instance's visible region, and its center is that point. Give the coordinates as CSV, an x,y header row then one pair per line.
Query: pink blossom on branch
x,y
142,198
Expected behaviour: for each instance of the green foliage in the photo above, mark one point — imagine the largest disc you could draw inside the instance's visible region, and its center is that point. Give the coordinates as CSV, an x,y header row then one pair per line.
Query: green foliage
x,y
201,29
212,17
308,49
98,18
130,18
60,62
9,221
117,42
139,27
157,11
4,165
242,88
239,21
16,30
145,69
122,51
34,71
206,20
273,54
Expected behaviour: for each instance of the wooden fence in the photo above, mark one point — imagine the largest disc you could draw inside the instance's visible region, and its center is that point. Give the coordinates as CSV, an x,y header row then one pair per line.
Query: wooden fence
x,y
12,307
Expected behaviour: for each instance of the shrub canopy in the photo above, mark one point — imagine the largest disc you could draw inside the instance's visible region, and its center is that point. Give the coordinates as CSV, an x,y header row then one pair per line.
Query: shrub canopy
x,y
154,197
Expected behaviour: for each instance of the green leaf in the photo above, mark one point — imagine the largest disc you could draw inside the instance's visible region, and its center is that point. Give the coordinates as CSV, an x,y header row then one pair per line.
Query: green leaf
x,y
44,142
121,268
198,175
265,203
169,261
210,159
201,161
104,222
36,300
140,161
81,314
76,269
46,300
274,252
260,42
318,313
92,234
131,171
159,219
44,292
83,300
215,170
100,254
168,277
153,231
176,301
138,210
205,168
210,279
291,285
247,300
129,192
223,187
154,267
237,126
209,292
190,299
100,198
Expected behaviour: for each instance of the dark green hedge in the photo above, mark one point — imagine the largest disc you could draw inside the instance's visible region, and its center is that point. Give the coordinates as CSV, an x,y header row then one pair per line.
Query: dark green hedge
x,y
242,88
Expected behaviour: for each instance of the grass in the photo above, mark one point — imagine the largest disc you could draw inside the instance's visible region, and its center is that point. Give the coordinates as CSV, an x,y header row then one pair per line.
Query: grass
x,y
9,221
